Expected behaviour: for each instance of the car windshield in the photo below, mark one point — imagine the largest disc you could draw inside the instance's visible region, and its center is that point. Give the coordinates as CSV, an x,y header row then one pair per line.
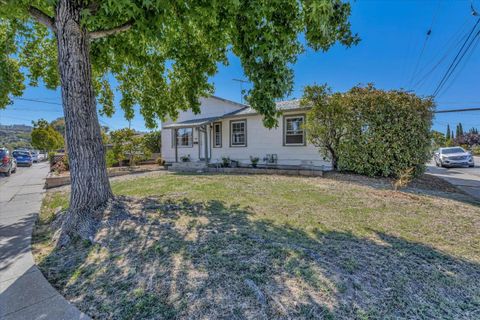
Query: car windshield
x,y
452,150
21,153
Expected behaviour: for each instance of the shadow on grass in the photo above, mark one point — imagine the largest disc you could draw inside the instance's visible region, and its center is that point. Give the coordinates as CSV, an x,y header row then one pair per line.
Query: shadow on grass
x,y
159,259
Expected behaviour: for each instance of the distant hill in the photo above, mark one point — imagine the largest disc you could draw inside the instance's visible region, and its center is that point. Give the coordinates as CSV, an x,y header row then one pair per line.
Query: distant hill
x,y
15,136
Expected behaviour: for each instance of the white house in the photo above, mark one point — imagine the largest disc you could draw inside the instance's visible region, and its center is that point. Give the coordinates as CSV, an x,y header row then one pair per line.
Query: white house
x,y
224,128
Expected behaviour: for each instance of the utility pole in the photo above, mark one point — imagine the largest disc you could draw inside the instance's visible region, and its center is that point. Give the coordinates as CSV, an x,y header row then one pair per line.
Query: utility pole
x,y
241,87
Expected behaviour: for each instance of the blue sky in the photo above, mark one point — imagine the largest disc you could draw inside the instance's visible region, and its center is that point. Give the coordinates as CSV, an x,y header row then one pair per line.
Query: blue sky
x,y
393,33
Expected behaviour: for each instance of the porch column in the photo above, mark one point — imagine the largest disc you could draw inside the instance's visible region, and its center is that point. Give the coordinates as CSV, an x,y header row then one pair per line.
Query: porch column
x,y
175,143
206,143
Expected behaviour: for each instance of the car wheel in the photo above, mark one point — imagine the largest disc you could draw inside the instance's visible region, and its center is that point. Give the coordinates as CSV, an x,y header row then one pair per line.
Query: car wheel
x,y
14,170
471,165
7,174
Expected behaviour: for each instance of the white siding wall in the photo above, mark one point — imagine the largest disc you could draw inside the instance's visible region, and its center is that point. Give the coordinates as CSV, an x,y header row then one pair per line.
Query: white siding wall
x,y
210,107
168,151
262,141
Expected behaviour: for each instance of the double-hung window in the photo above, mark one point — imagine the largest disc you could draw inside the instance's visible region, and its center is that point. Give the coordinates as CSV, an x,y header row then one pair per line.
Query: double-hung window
x,y
217,135
185,137
238,133
294,134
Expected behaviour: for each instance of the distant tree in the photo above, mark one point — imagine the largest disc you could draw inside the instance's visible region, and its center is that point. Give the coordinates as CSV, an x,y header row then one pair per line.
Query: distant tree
x,y
128,145
59,125
45,137
326,121
469,140
448,135
153,141
438,139
459,131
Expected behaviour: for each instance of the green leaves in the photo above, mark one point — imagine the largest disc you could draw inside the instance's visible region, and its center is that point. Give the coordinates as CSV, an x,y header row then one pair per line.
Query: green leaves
x,y
45,137
371,131
164,61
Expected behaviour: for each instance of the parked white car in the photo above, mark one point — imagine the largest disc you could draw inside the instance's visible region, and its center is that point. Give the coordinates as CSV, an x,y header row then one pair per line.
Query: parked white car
x,y
453,157
35,156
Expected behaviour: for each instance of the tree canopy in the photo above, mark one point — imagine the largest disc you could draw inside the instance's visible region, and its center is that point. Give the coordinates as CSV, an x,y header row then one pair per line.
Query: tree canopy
x,y
162,53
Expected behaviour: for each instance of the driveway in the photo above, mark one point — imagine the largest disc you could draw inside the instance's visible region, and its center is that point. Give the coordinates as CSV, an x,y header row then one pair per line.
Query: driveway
x,y
24,292
466,179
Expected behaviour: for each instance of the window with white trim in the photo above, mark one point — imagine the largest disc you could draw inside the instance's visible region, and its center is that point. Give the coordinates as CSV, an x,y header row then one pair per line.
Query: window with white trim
x,y
185,137
217,135
238,133
294,133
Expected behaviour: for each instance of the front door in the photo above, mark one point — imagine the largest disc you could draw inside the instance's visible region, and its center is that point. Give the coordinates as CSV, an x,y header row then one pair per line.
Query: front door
x,y
202,142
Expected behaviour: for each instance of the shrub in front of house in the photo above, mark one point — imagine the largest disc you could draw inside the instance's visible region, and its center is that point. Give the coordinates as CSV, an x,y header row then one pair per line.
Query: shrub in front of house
x,y
370,131
388,133
254,161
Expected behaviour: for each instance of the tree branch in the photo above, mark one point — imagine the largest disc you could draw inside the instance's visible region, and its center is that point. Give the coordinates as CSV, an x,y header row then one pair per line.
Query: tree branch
x,y
41,17
105,33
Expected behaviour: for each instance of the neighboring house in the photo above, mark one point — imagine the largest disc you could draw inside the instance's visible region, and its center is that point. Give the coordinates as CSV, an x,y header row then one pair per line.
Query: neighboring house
x,y
224,128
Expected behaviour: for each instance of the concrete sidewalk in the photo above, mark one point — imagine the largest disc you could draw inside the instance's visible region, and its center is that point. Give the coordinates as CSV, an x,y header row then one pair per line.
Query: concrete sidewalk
x,y
24,291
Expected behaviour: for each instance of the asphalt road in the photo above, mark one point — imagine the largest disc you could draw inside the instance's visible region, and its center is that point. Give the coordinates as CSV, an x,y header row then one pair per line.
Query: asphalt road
x,y
466,179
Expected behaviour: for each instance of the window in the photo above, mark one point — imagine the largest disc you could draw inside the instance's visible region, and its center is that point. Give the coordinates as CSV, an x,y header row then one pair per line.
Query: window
x,y
217,135
293,130
185,137
238,133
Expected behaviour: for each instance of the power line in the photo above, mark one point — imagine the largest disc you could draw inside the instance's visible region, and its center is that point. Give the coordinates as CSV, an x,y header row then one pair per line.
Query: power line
x,y
451,44
39,101
457,110
457,59
464,63
427,36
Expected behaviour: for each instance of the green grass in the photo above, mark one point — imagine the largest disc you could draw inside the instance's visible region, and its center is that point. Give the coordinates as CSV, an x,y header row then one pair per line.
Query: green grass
x,y
315,248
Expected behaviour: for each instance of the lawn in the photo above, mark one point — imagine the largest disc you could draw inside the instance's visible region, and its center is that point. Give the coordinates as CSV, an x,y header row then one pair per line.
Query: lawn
x,y
178,246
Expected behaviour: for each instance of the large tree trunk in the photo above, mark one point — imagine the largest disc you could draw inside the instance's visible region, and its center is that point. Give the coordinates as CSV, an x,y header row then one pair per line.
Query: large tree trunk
x,y
90,188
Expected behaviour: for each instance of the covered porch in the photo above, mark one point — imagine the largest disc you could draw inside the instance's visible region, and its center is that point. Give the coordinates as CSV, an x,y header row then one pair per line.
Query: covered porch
x,y
191,139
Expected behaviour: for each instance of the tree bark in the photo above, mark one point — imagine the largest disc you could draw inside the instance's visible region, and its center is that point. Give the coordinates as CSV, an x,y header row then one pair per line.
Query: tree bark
x,y
334,157
90,188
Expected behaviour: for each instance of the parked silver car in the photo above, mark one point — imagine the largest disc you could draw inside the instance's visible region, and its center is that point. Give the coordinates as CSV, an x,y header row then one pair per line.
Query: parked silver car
x,y
453,157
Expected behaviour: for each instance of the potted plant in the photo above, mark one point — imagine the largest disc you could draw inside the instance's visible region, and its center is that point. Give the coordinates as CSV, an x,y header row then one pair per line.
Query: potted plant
x,y
225,162
254,161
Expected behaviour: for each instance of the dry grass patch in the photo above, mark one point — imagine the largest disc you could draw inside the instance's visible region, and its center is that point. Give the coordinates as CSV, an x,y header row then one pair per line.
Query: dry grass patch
x,y
270,247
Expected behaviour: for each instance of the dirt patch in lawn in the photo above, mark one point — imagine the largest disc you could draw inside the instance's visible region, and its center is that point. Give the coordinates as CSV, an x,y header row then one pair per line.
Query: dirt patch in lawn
x,y
269,247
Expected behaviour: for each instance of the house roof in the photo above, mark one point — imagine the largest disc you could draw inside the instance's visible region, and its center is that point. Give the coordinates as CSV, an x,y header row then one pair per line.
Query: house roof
x,y
281,106
289,105
241,105
190,123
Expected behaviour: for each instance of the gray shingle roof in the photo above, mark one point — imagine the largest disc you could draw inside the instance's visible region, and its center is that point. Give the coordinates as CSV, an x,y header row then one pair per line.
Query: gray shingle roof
x,y
246,111
281,105
190,123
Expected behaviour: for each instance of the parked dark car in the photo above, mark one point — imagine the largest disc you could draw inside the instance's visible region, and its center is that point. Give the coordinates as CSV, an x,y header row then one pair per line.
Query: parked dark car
x,y
24,158
453,157
8,163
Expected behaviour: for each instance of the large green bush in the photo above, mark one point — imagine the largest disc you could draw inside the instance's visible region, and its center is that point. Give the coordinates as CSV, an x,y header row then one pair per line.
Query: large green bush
x,y
371,131
389,132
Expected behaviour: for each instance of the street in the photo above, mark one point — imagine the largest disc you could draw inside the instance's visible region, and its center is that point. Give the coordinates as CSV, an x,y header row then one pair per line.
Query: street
x,y
466,179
